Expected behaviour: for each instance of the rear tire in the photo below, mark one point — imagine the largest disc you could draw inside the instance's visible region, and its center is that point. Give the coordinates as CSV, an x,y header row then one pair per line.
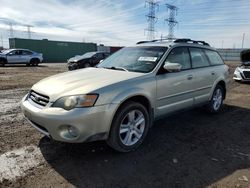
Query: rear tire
x,y
216,102
34,62
129,127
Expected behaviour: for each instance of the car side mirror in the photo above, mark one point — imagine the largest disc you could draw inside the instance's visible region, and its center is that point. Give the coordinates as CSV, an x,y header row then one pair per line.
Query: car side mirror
x,y
172,67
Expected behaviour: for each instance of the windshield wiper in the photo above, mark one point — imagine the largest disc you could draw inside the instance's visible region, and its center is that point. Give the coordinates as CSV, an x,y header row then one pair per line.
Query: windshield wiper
x,y
116,68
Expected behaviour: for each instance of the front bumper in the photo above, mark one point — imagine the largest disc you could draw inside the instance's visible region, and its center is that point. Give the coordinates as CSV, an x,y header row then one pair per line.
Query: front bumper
x,y
240,74
90,123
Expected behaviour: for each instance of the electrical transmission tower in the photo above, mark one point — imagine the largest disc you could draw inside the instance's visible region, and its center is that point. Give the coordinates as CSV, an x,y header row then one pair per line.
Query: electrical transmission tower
x,y
151,18
11,30
2,40
29,31
172,22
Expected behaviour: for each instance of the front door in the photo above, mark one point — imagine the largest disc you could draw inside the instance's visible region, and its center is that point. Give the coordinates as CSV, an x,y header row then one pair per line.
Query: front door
x,y
175,89
13,56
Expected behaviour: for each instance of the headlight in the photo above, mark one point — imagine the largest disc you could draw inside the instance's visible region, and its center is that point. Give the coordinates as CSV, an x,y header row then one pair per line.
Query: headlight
x,y
77,101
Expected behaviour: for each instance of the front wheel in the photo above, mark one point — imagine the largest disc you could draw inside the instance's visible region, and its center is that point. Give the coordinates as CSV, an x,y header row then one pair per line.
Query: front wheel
x,y
216,101
2,62
86,65
129,127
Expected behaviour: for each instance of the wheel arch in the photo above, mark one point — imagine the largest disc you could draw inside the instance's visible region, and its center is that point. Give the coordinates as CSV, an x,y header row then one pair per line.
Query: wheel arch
x,y
222,83
4,59
139,98
35,58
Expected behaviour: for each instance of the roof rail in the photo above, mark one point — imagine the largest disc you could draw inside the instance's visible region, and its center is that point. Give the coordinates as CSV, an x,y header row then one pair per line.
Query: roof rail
x,y
155,40
191,41
141,42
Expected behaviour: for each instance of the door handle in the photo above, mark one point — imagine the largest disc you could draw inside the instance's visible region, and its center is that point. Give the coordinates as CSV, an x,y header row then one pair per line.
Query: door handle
x,y
213,73
190,77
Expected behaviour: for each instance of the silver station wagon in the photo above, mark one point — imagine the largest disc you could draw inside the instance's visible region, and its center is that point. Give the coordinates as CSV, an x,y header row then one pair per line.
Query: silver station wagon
x,y
119,100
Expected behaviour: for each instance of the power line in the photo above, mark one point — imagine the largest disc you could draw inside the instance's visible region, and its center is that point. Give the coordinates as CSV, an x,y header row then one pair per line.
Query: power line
x,y
171,20
151,18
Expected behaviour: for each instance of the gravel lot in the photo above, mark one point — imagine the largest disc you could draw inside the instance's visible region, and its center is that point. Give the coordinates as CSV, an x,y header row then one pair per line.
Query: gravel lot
x,y
190,149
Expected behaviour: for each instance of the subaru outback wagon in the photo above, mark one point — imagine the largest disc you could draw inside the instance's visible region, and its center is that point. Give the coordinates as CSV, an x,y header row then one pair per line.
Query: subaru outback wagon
x,y
119,100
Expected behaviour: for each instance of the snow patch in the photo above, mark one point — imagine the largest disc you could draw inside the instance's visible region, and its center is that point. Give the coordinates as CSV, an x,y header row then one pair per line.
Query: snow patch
x,y
15,164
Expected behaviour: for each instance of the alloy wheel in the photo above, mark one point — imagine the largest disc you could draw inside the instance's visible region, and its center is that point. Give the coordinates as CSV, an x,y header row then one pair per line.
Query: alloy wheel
x,y
217,99
132,127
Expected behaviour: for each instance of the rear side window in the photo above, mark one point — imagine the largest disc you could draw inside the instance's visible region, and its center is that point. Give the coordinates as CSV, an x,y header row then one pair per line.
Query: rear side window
x,y
25,52
99,56
214,57
180,55
199,58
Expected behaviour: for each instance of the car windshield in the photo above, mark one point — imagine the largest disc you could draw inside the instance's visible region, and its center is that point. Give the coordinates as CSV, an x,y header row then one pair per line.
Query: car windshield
x,y
88,55
6,51
135,59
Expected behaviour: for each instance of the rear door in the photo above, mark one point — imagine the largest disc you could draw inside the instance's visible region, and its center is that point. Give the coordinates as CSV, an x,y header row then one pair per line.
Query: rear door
x,y
175,89
26,55
204,74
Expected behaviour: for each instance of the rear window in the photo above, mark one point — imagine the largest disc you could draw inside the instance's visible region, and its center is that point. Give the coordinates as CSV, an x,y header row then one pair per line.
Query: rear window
x,y
214,57
199,58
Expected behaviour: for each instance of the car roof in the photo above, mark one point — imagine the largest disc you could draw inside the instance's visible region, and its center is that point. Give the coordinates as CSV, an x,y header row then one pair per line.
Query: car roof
x,y
20,49
176,43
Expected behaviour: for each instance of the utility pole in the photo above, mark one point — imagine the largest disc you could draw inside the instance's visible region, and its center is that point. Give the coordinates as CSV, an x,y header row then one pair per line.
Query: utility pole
x,y
28,31
222,44
11,30
2,39
151,18
171,20
243,40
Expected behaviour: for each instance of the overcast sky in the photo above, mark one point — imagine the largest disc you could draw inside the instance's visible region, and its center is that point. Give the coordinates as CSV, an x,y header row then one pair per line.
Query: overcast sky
x,y
123,22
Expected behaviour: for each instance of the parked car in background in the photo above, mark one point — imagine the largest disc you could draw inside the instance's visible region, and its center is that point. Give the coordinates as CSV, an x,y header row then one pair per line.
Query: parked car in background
x,y
242,72
89,59
20,56
120,98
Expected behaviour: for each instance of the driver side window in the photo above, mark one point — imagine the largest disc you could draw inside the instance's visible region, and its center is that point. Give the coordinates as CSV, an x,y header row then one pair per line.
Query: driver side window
x,y
14,52
180,55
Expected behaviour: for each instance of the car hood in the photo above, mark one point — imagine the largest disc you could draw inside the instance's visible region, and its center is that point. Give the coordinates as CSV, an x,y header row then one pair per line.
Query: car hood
x,y
81,81
245,57
77,58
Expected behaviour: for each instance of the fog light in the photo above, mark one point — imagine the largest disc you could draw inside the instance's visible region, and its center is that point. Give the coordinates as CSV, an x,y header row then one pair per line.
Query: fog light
x,y
72,131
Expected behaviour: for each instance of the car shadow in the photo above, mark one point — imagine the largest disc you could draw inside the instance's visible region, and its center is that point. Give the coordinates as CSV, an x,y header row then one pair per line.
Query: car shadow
x,y
191,149
20,65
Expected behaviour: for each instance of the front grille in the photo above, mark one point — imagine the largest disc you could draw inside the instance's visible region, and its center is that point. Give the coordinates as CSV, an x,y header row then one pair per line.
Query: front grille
x,y
38,98
246,74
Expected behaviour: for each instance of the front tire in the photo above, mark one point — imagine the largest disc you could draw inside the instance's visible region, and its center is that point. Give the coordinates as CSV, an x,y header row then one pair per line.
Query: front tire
x,y
216,102
2,62
86,65
129,127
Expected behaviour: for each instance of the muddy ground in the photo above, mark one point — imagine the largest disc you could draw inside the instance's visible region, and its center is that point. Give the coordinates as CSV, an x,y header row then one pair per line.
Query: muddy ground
x,y
190,149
